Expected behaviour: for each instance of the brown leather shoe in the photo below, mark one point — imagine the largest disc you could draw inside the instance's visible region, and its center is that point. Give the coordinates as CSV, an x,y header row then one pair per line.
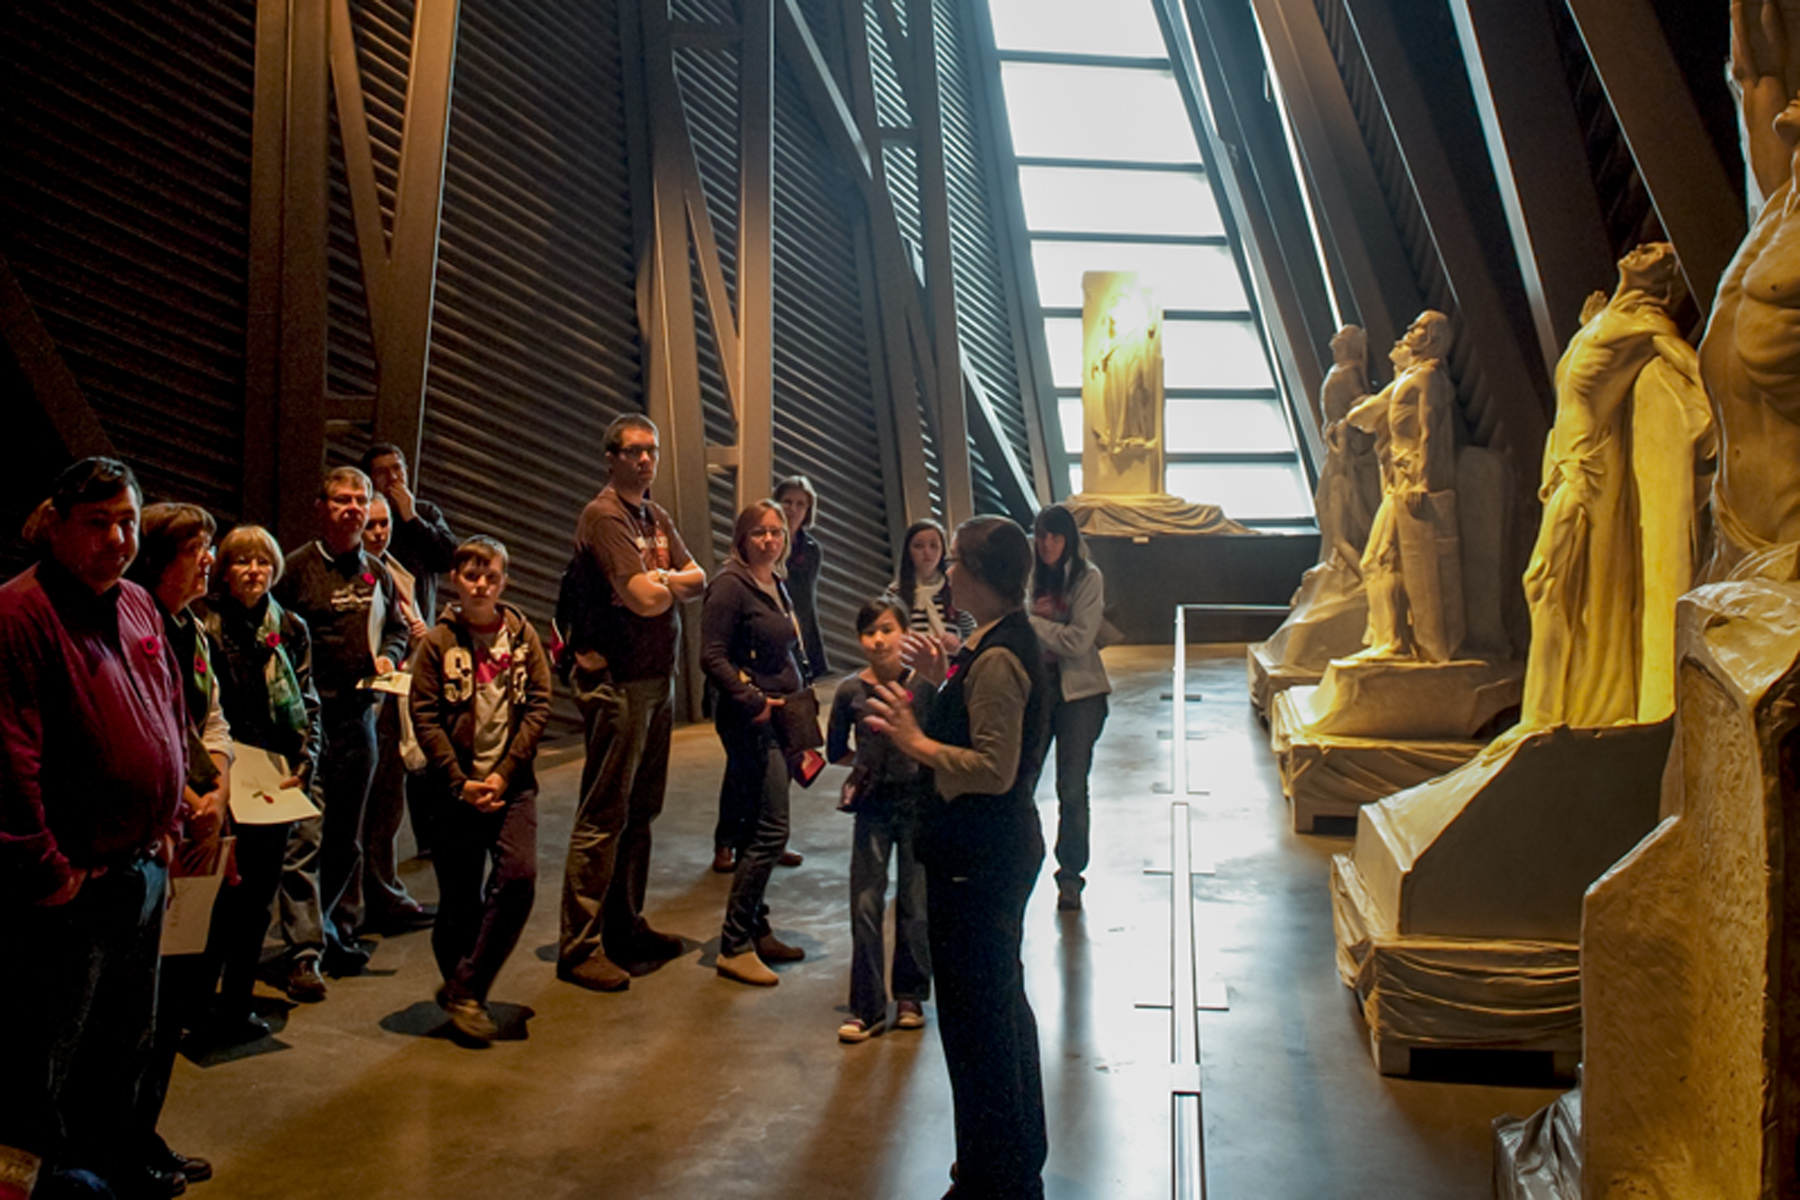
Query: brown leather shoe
x,y
597,973
304,983
790,858
724,861
773,949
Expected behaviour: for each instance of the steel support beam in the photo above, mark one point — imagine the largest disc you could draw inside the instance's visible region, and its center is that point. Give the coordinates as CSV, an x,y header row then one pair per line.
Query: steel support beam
x,y
1540,161
666,298
1352,207
1511,365
756,252
53,386
940,266
1694,199
284,420
1278,279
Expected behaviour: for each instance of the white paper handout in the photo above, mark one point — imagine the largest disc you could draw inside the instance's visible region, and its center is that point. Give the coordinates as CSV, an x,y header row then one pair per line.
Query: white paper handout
x,y
188,919
257,797
397,683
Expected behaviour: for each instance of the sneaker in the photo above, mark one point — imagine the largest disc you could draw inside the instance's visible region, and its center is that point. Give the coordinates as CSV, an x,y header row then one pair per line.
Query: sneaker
x,y
747,968
597,973
304,983
857,1030
772,949
909,1015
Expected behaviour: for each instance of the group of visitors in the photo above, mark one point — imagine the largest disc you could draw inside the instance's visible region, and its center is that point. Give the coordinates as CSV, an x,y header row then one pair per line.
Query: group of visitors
x,y
139,661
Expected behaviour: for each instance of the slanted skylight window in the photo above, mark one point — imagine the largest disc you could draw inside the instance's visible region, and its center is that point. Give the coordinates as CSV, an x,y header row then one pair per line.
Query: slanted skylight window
x,y
1112,178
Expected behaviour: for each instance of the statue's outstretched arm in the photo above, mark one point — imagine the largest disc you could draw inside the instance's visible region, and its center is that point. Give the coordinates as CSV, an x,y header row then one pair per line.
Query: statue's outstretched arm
x,y
1761,79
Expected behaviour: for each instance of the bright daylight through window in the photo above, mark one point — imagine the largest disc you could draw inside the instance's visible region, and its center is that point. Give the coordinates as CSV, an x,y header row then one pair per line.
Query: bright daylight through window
x,y
1113,178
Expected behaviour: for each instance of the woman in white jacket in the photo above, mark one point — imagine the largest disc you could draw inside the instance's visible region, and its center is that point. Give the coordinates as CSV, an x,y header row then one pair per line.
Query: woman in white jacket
x,y
1068,600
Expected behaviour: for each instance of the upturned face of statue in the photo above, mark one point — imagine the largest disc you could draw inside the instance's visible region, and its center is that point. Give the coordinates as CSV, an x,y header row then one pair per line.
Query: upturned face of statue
x,y
1349,346
1426,338
1650,268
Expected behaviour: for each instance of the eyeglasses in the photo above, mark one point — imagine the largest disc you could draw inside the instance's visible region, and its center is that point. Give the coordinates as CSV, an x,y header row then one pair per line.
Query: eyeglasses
x,y
638,451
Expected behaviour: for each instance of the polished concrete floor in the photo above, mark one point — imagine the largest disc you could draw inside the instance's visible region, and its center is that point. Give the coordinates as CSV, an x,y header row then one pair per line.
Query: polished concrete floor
x,y
689,1086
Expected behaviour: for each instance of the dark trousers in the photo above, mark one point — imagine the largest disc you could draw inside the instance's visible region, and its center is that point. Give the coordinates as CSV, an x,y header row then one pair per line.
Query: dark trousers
x,y
987,1026
481,913
887,829
299,911
346,771
622,783
79,1015
1076,726
241,916
737,811
755,765
377,893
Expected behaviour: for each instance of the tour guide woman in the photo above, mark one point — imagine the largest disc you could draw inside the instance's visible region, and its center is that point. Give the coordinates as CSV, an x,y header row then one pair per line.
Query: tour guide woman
x,y
983,742
748,640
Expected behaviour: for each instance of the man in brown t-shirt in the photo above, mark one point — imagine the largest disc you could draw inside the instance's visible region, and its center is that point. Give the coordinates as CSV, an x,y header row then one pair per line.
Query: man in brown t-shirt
x,y
624,639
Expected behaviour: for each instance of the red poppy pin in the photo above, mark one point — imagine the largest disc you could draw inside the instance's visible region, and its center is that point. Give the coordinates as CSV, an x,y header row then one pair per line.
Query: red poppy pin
x,y
152,646
368,578
953,671
271,639
199,664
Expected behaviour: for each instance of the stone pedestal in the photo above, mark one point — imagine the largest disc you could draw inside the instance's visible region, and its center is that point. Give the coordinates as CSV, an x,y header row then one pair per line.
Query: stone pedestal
x,y
1459,911
1690,976
1370,729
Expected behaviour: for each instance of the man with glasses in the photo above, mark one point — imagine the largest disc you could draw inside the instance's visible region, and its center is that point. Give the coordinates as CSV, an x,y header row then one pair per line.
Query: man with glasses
x,y
631,572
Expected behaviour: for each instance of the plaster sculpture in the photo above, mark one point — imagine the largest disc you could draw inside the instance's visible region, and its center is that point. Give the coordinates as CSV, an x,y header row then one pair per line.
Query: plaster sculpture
x,y
1412,565
1458,911
1329,612
1122,448
1615,548
1691,1045
1121,386
1749,357
1436,671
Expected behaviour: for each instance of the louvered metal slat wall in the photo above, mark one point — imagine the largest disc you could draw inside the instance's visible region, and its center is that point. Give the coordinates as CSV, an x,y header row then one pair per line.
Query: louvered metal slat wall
x,y
534,333
985,316
125,156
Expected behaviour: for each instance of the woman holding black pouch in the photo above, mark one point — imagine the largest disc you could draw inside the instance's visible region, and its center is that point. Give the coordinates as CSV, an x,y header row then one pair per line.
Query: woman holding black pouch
x,y
748,648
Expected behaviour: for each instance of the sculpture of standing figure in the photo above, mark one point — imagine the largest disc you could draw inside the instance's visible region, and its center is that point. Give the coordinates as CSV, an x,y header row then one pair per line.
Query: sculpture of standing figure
x,y
1750,356
1129,378
1350,480
1616,545
1412,566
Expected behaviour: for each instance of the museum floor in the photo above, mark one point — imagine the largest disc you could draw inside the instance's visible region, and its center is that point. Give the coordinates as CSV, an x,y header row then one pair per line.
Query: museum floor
x,y
689,1086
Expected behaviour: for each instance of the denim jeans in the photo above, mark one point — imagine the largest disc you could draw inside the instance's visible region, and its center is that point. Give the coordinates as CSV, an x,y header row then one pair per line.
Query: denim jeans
x,y
760,768
346,772
1076,726
79,1032
887,828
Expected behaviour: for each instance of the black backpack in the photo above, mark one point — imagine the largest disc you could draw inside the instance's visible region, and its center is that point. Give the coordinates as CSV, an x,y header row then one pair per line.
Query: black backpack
x,y
583,602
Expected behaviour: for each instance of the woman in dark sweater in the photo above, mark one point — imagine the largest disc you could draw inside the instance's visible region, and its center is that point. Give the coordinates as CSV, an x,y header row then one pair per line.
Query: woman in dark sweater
x,y
800,502
748,644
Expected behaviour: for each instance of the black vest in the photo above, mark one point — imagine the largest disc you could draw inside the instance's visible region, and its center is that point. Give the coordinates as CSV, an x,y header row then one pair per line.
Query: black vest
x,y
976,834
